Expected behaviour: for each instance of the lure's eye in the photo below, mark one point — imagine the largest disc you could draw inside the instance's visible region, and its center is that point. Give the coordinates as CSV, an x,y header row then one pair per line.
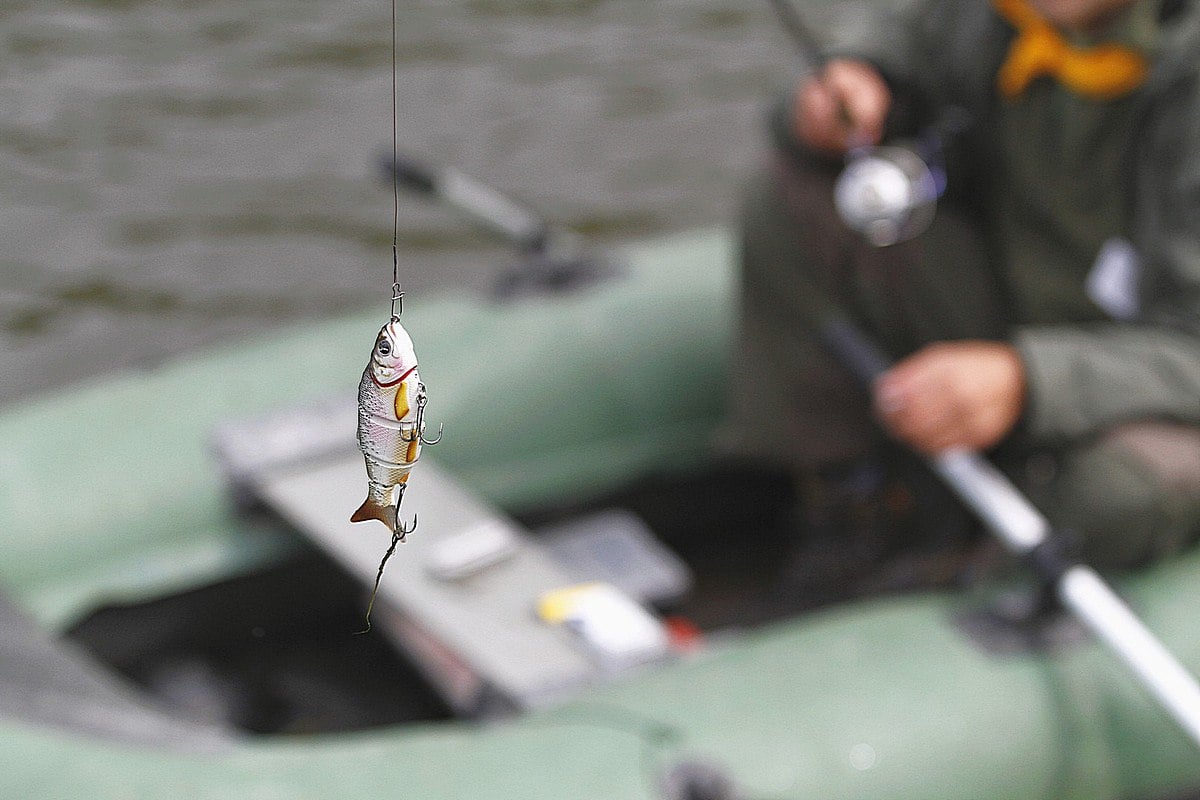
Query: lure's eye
x,y
383,347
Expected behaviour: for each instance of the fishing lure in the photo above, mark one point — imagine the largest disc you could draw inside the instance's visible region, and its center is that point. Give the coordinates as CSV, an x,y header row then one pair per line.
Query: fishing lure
x,y
391,426
391,399
391,432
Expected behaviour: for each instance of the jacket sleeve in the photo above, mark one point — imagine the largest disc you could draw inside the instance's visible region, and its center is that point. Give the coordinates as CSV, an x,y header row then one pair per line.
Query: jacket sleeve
x,y
1082,379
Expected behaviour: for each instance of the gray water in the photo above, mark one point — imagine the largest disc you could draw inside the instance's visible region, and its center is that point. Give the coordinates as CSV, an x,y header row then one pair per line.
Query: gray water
x,y
177,173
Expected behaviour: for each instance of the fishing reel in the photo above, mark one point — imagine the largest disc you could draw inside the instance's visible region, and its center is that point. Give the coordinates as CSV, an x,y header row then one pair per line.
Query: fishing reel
x,y
888,193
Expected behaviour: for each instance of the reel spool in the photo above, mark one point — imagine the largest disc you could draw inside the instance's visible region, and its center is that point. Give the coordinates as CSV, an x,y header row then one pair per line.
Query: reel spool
x,y
887,193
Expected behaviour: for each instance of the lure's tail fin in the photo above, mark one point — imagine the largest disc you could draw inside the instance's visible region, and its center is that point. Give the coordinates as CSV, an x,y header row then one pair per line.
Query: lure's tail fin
x,y
373,510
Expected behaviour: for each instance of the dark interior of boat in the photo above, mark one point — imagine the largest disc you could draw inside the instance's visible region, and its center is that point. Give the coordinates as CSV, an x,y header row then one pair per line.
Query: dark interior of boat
x,y
279,650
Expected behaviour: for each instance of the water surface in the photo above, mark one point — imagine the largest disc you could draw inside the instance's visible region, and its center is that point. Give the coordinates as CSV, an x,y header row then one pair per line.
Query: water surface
x,y
179,173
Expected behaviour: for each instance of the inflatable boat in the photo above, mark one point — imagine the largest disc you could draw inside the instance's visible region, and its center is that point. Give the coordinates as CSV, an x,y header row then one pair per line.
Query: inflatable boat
x,y
181,591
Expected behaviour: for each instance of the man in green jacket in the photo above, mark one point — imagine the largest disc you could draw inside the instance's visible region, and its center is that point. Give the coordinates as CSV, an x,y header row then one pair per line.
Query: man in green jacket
x,y
1050,315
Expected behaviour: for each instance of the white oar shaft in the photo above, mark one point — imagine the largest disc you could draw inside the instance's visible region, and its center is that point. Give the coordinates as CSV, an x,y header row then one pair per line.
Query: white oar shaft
x,y
1025,531
990,494
1022,528
1082,591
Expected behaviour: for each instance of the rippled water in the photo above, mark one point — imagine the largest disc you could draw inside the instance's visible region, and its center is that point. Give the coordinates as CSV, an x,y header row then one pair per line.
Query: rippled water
x,y
174,173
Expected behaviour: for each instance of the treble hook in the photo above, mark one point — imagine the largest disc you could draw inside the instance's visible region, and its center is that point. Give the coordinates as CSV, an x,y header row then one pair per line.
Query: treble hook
x,y
441,427
421,401
401,529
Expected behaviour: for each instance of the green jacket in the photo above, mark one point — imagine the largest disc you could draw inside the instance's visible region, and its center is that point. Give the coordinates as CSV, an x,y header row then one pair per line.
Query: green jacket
x,y
1082,376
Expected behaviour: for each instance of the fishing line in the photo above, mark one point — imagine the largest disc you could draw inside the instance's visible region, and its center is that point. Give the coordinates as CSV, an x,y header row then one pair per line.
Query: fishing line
x,y
397,292
397,296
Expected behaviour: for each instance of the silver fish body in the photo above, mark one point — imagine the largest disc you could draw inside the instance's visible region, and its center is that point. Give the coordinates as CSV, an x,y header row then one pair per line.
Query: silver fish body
x,y
391,401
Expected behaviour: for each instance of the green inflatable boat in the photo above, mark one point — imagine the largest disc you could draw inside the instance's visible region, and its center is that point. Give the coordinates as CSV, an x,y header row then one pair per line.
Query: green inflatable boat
x,y
180,588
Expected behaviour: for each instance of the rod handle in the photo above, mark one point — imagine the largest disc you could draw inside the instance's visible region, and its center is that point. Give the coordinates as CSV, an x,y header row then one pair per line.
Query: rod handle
x,y
853,350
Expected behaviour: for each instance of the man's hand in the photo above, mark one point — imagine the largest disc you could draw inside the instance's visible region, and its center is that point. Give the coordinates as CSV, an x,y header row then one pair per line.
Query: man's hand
x,y
952,394
843,107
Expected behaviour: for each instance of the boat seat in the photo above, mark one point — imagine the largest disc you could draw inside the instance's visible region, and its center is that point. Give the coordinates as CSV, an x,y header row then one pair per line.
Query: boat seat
x,y
49,682
459,596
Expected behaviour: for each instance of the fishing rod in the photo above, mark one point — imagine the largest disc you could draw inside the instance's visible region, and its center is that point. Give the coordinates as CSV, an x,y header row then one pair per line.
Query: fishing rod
x,y
1027,533
812,56
887,193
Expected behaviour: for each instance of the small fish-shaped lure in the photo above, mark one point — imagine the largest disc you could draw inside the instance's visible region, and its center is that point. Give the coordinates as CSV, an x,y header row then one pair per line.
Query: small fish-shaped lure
x,y
391,425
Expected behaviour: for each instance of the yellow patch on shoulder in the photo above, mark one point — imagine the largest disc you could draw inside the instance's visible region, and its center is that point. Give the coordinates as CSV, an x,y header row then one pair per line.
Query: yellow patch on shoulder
x,y
402,400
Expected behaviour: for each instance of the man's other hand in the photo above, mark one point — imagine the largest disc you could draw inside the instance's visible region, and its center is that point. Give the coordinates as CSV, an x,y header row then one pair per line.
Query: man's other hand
x,y
952,394
843,107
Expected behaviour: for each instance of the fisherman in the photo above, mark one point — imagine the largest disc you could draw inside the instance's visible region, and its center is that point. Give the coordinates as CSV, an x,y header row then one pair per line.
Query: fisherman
x,y
1050,314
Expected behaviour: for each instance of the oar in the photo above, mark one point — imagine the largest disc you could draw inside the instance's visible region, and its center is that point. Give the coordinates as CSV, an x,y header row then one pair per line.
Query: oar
x,y
1027,533
554,257
501,214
